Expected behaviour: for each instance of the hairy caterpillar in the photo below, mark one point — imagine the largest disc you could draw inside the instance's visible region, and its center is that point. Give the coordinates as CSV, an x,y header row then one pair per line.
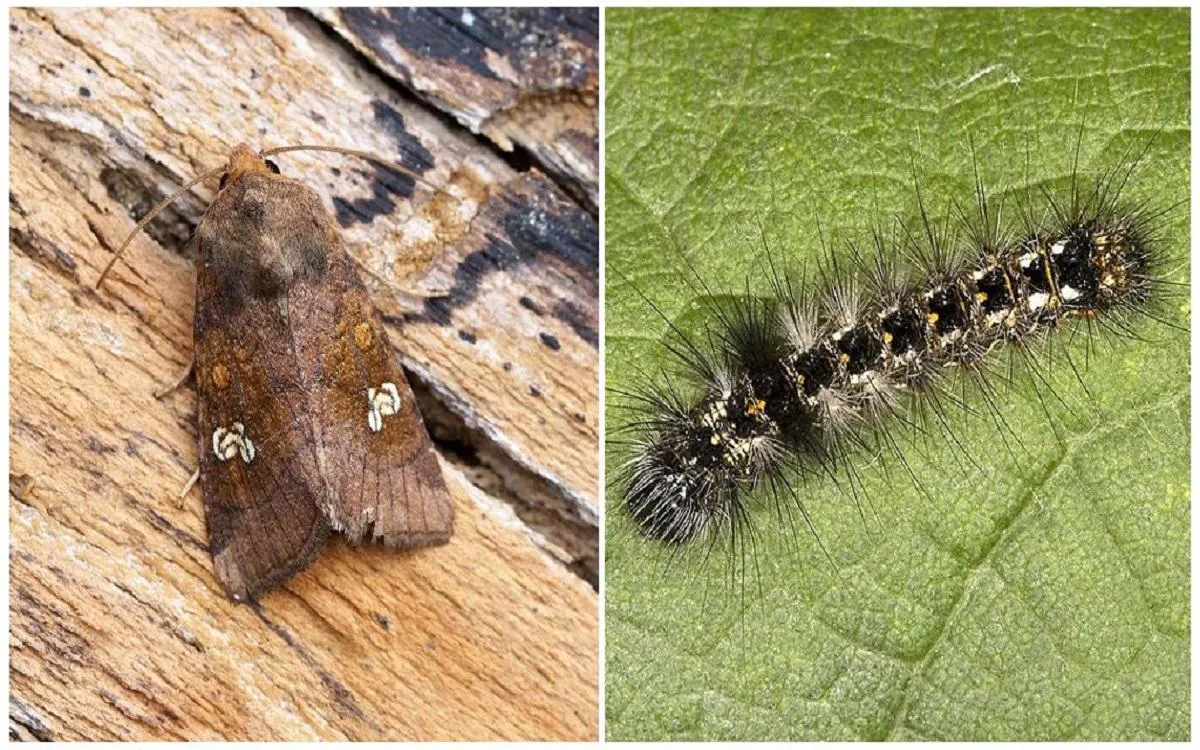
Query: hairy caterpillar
x,y
1032,583
822,371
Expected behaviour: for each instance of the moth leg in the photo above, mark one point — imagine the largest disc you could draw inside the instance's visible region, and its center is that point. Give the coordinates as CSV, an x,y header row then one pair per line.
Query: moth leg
x,y
191,482
187,372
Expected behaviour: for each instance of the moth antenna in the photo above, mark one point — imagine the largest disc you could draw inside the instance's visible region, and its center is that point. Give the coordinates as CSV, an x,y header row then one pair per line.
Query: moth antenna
x,y
366,155
150,217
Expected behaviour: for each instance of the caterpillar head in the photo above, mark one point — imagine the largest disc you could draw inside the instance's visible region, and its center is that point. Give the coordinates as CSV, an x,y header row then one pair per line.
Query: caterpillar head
x,y
670,498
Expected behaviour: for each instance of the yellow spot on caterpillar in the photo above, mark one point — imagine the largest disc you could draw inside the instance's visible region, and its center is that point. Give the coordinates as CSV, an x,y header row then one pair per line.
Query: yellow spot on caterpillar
x,y
981,297
362,336
932,318
843,358
756,408
887,337
220,376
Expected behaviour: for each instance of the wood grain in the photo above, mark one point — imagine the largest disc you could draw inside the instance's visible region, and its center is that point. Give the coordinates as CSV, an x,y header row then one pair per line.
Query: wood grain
x,y
118,629
527,77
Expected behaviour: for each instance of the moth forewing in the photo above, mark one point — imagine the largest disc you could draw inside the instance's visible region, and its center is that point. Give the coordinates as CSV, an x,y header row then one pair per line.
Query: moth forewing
x,y
307,423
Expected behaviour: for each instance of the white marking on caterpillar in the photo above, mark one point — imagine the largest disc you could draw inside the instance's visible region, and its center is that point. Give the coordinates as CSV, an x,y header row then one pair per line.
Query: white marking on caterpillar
x,y
228,443
717,413
382,403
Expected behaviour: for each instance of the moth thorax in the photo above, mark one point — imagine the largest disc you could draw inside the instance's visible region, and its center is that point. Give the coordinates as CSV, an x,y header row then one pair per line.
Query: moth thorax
x,y
264,234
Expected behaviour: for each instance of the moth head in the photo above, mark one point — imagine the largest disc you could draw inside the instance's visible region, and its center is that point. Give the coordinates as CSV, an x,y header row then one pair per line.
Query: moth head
x,y
244,160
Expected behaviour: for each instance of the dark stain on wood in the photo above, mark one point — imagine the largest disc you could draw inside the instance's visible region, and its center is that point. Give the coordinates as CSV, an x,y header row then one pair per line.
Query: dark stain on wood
x,y
531,38
183,538
413,153
95,446
581,320
22,716
386,186
542,230
44,252
385,183
527,79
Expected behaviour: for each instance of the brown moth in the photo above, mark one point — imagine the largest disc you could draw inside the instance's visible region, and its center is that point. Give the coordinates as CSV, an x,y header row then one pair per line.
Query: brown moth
x,y
307,423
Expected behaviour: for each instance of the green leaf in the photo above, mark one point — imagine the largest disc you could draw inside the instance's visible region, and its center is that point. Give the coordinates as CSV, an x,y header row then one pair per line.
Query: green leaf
x,y
1037,590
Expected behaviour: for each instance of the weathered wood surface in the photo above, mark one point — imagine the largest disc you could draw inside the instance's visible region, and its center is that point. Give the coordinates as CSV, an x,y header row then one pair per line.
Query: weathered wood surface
x,y
527,77
118,629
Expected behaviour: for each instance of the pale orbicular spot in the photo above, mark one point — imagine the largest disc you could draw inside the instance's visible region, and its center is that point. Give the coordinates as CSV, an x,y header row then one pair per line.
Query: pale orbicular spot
x,y
362,336
381,403
231,442
220,376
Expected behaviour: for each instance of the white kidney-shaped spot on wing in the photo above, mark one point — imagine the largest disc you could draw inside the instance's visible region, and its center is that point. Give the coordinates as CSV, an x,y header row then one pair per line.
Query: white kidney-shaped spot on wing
x,y
381,403
228,443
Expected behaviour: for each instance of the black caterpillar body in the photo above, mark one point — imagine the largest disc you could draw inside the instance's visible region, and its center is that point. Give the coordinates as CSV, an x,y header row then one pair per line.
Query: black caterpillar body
x,y
790,383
